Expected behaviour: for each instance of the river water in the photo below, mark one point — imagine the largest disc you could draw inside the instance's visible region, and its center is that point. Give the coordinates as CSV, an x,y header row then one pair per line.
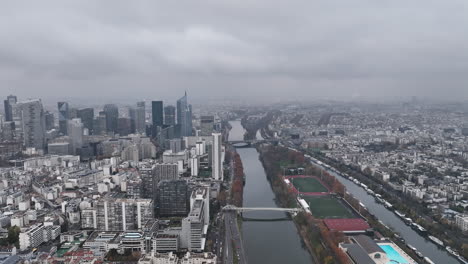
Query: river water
x,y
411,237
265,241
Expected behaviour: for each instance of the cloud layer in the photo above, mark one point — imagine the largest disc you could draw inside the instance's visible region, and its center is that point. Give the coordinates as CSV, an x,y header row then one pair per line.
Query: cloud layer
x,y
303,49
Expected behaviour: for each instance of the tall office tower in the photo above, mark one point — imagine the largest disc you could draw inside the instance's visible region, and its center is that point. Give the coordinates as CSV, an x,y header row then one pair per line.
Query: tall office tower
x,y
157,113
30,123
49,120
124,126
8,104
87,117
169,115
99,124
132,116
206,125
172,198
112,116
216,165
75,132
140,118
165,171
118,214
64,115
184,116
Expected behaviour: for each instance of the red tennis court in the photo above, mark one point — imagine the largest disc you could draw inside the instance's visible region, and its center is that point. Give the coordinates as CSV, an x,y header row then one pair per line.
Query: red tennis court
x,y
347,225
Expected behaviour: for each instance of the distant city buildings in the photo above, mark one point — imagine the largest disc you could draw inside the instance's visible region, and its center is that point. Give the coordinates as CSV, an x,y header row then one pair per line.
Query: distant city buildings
x,y
111,113
87,118
75,133
8,106
184,116
63,116
99,178
138,117
29,121
169,115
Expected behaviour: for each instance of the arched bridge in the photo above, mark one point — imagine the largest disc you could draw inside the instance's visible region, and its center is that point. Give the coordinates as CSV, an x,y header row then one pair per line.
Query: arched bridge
x,y
250,209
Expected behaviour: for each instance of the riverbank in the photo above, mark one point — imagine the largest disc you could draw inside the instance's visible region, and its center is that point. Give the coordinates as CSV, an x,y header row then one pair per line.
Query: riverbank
x,y
414,213
320,242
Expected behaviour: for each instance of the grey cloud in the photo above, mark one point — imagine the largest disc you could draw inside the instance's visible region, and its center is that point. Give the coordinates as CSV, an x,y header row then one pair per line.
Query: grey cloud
x,y
224,48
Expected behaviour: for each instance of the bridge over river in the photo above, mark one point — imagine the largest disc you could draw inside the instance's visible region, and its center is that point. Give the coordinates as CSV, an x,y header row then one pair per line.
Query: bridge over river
x,y
250,209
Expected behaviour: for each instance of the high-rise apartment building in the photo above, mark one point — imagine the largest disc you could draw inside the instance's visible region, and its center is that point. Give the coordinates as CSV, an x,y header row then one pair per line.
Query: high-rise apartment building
x,y
194,166
120,214
217,163
8,104
89,218
148,190
165,171
172,198
112,116
29,121
64,115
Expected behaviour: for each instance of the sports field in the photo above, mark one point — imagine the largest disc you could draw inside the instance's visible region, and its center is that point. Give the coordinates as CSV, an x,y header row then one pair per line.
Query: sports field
x,y
308,185
326,207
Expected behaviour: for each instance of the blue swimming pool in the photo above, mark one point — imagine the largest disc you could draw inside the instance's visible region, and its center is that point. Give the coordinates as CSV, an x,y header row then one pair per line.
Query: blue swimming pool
x,y
393,255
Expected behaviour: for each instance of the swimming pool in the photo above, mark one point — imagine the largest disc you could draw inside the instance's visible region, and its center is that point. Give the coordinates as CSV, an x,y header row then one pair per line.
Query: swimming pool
x,y
393,255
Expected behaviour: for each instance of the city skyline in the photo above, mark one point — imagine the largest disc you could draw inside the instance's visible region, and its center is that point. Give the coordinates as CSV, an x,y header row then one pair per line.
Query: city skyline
x,y
231,132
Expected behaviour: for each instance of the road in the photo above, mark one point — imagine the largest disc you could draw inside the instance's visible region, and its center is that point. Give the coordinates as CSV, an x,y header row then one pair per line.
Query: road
x,y
231,232
233,238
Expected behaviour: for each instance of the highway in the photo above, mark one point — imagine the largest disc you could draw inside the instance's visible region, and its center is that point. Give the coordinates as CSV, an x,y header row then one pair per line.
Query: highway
x,y
232,234
233,238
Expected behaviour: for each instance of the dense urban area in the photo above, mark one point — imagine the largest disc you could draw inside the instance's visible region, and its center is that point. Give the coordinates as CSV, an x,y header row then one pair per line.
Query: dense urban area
x,y
156,182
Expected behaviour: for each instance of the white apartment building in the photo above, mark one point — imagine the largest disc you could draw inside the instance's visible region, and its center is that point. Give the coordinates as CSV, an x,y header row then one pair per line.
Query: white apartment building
x,y
462,222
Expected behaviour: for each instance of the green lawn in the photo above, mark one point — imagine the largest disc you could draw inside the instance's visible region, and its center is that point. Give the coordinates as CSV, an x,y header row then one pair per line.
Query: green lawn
x,y
308,185
328,207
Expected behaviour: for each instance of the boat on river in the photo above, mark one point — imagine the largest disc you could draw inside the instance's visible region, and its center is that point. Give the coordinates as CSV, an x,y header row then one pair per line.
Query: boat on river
x,y
436,240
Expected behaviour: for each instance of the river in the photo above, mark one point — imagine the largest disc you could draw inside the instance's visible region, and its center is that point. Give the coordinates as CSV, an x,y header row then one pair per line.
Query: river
x,y
265,241
411,237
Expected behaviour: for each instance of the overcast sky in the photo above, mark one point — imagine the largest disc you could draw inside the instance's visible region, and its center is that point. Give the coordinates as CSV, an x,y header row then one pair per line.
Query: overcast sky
x,y
290,49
